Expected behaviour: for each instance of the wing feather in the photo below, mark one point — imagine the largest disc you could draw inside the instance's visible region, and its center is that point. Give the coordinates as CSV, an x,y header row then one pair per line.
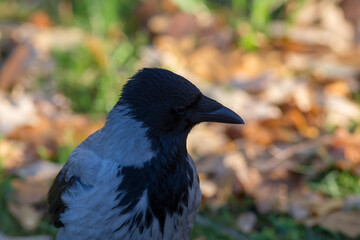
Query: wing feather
x,y
56,205
81,165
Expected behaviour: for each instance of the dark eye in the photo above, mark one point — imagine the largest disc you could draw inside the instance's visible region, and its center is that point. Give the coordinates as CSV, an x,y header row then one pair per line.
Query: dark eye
x,y
180,110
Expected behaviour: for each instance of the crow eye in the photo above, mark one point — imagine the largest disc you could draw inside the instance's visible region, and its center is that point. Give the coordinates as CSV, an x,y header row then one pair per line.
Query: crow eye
x,y
180,110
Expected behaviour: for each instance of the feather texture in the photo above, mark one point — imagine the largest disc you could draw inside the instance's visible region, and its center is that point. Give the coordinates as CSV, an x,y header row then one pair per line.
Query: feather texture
x,y
115,186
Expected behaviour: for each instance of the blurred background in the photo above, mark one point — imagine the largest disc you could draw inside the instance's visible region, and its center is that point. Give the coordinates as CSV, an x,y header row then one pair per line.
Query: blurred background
x,y
290,68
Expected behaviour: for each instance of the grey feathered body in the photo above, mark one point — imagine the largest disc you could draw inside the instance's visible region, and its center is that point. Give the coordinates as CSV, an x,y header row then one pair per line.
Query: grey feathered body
x,y
106,188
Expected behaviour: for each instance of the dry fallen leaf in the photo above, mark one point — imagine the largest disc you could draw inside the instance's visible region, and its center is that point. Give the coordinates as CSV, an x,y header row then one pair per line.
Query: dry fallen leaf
x,y
341,111
345,222
204,62
57,38
249,178
178,25
258,134
304,97
338,88
328,206
203,141
16,111
280,91
347,147
12,154
336,24
52,132
243,104
208,188
41,19
15,66
251,66
316,27
28,217
30,191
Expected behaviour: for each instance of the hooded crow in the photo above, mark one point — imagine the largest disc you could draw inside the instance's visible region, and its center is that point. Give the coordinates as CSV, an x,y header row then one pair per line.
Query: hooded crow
x,y
133,179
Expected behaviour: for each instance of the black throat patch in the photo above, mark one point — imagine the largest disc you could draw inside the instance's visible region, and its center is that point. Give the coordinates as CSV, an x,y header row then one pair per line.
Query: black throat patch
x,y
167,183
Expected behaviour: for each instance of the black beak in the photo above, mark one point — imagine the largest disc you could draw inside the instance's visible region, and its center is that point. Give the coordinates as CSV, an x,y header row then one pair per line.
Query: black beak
x,y
210,110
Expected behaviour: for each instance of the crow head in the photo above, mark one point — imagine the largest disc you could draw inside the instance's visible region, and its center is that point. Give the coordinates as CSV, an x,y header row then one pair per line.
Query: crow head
x,y
169,104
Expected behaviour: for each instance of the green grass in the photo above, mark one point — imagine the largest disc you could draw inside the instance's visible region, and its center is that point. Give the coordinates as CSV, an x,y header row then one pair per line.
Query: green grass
x,y
91,85
336,183
208,232
251,18
92,74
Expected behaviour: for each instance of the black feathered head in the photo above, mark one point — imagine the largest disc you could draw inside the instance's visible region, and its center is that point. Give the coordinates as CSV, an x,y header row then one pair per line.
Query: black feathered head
x,y
169,103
